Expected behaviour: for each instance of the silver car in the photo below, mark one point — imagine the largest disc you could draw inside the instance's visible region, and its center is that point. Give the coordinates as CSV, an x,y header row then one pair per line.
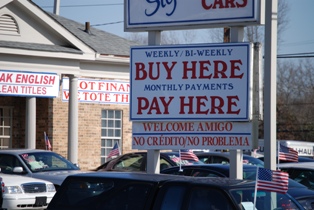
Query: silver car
x,y
41,164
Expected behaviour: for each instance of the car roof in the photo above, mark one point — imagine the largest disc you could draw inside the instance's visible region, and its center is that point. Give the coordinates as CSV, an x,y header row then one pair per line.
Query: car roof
x,y
225,169
215,165
222,154
221,168
300,159
217,181
301,193
19,151
308,165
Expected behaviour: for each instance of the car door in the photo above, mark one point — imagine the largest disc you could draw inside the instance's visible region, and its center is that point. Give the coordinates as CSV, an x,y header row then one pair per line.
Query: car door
x,y
8,162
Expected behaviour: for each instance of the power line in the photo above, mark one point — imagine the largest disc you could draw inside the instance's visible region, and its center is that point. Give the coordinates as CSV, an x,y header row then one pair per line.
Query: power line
x,y
103,24
86,5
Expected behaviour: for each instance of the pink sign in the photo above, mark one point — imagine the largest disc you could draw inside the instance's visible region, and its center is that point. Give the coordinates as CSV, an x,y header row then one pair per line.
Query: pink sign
x,y
18,83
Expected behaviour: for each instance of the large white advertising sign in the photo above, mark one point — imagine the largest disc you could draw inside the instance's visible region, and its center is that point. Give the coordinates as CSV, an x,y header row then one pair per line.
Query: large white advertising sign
x,y
143,15
18,83
191,135
191,82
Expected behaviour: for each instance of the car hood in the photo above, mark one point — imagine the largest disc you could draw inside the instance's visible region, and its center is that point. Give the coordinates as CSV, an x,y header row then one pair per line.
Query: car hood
x,y
56,177
12,180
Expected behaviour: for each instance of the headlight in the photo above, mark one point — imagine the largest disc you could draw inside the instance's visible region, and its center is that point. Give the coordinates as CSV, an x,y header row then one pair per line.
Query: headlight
x,y
51,188
12,190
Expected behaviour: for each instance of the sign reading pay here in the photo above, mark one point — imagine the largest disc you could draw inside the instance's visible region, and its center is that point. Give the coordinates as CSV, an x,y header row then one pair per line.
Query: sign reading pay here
x,y
191,82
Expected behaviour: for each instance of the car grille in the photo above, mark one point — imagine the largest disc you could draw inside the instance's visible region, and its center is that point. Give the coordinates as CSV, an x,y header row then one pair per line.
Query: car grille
x,y
34,187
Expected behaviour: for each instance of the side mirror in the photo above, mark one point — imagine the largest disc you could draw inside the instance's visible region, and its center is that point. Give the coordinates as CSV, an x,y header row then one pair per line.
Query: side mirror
x,y
76,165
17,170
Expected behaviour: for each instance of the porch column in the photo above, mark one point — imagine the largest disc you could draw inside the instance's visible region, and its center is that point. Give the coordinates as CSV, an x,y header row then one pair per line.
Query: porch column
x,y
30,123
73,120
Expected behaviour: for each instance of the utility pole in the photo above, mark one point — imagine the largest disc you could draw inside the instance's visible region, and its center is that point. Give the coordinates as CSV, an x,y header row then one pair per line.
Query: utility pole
x,y
56,8
226,34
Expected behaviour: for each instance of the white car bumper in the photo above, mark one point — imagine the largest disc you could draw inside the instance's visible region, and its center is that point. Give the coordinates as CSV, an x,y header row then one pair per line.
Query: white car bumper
x,y
29,201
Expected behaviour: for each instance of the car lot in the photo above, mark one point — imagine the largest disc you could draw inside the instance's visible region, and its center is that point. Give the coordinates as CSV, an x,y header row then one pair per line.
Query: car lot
x,y
223,157
20,192
137,161
300,192
48,165
141,191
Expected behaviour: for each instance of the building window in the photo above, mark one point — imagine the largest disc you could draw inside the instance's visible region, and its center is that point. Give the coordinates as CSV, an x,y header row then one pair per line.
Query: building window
x,y
111,131
5,127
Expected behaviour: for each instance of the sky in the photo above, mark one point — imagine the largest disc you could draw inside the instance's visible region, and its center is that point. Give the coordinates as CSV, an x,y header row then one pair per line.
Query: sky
x,y
108,15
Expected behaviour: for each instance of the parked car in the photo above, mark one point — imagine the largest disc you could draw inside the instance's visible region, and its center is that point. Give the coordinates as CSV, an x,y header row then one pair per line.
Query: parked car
x,y
20,192
48,165
142,191
304,197
297,190
136,161
300,159
223,157
302,172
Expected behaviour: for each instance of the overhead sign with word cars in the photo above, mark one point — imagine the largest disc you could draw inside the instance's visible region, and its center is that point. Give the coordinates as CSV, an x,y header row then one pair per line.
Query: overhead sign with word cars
x,y
22,83
191,82
141,15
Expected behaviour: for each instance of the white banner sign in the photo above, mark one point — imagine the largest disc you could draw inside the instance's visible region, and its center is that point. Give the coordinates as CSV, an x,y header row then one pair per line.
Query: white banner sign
x,y
143,15
191,82
18,83
191,135
99,91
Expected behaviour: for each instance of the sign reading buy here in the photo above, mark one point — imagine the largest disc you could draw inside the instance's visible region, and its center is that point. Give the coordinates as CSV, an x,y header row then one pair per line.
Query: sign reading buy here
x,y
191,82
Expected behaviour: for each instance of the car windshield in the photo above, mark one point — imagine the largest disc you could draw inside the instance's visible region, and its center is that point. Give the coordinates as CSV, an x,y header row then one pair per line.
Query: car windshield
x,y
46,161
264,200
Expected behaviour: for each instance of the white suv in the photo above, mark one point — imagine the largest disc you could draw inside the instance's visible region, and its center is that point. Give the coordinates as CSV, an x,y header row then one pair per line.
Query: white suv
x,y
20,192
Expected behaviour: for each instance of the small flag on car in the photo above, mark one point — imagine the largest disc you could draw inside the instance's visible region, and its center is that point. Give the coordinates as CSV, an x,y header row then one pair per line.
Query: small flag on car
x,y
272,180
187,154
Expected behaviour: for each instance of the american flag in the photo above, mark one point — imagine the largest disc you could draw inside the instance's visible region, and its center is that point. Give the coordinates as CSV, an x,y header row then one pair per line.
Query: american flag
x,y
270,180
288,154
186,154
115,151
47,142
175,159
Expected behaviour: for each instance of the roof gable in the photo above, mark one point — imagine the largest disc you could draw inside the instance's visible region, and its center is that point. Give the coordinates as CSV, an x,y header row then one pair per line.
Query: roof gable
x,y
102,42
33,25
23,23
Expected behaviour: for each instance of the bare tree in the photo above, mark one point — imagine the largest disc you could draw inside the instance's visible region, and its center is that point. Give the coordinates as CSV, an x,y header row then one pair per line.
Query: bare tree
x,y
256,33
295,100
140,38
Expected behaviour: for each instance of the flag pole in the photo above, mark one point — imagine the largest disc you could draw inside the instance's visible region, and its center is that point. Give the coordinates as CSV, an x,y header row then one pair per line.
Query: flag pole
x,y
119,149
46,146
255,190
180,169
278,150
